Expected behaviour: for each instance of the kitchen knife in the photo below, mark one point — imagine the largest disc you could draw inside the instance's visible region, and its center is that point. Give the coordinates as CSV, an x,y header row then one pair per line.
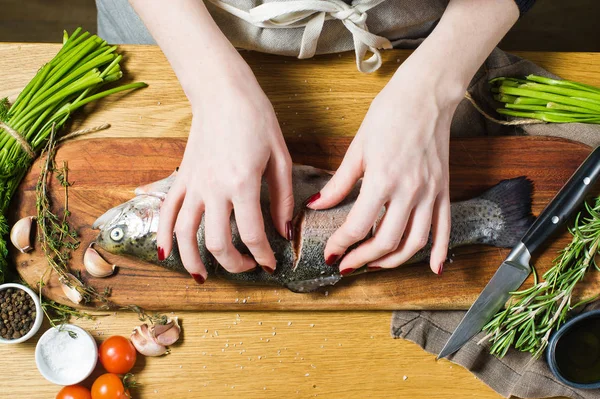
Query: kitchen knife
x,y
515,268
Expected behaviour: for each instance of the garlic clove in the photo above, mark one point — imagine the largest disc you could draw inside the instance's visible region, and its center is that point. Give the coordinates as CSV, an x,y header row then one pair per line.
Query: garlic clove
x,y
144,342
70,291
20,234
166,334
95,264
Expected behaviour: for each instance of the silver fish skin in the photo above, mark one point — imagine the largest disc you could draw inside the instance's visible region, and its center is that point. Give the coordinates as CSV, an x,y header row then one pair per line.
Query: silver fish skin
x,y
498,217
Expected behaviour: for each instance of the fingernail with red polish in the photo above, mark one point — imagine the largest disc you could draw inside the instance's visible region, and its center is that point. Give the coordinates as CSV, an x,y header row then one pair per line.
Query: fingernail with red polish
x,y
346,272
441,269
373,268
331,259
161,254
289,230
198,278
268,269
312,199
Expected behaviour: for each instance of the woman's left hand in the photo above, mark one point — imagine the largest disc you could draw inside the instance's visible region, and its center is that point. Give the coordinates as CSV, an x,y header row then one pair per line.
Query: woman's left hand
x,y
401,151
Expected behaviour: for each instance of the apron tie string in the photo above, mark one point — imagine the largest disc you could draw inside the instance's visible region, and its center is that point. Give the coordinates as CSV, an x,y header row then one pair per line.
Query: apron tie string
x,y
312,14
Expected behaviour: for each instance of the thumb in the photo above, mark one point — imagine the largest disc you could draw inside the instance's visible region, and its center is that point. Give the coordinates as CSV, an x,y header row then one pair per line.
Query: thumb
x,y
279,179
341,183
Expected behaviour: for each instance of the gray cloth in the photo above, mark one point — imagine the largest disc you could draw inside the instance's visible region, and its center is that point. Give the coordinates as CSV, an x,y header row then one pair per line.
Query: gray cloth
x,y
405,22
119,24
401,21
513,375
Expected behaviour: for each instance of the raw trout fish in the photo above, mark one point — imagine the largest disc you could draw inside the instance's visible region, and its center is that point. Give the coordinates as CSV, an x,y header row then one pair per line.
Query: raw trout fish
x,y
498,217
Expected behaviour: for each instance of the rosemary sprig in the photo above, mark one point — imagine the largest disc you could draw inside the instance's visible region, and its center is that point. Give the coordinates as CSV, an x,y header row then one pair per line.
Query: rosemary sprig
x,y
534,313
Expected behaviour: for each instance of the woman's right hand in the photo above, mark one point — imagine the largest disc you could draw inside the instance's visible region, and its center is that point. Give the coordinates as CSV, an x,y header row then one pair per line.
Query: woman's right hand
x,y
234,140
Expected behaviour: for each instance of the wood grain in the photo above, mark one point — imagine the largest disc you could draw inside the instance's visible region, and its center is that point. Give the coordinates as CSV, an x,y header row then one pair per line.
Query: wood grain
x,y
362,366
320,355
106,171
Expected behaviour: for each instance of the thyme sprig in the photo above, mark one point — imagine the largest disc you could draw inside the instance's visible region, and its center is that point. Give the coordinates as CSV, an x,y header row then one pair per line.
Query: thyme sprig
x,y
57,237
155,318
534,313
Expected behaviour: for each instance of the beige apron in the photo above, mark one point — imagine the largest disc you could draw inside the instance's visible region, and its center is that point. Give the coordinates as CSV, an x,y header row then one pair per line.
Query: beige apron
x,y
300,28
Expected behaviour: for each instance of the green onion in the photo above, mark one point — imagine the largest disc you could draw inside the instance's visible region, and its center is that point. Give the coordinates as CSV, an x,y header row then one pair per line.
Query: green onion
x,y
549,100
75,76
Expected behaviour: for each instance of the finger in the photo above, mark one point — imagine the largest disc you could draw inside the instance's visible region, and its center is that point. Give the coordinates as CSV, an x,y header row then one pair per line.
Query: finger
x,y
416,237
359,222
186,230
441,222
386,240
279,180
166,222
251,226
342,182
218,238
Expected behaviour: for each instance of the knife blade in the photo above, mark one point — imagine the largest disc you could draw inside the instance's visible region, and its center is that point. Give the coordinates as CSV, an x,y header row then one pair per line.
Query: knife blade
x,y
515,268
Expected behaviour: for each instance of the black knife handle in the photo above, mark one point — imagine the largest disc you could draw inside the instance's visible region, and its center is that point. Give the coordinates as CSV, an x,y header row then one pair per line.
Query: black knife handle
x,y
568,199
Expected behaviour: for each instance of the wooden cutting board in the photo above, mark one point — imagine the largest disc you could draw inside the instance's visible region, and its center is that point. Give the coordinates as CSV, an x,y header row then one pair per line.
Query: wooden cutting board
x,y
105,172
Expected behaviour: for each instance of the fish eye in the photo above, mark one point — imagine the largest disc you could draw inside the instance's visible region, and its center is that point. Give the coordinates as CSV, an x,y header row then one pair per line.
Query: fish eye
x,y
116,234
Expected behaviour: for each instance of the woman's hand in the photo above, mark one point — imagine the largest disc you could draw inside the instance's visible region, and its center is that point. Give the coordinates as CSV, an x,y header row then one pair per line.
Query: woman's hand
x,y
401,150
234,140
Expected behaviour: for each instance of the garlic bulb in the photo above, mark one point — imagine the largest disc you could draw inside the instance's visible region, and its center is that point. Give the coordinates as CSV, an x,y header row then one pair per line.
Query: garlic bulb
x,y
20,234
153,341
96,265
145,343
166,334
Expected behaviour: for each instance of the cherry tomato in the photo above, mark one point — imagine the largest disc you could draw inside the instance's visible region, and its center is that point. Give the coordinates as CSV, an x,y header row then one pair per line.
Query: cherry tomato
x,y
109,386
117,354
74,392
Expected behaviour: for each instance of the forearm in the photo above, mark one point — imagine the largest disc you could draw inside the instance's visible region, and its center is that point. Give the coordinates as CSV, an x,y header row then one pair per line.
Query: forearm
x,y
192,42
465,36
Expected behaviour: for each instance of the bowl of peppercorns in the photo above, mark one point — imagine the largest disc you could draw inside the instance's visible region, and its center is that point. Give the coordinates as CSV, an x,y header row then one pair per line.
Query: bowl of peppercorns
x,y
20,313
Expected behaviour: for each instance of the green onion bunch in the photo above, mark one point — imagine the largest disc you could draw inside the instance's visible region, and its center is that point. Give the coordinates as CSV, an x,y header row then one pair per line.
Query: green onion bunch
x,y
549,100
78,74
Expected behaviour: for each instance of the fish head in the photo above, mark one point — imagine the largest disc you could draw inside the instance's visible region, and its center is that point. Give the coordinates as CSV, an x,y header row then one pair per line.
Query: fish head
x,y
130,228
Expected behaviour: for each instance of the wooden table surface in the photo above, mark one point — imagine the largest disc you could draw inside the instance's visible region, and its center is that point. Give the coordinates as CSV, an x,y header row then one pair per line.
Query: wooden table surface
x,y
262,354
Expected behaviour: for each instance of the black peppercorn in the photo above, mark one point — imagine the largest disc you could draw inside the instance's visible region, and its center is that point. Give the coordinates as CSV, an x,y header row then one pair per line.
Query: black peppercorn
x,y
17,313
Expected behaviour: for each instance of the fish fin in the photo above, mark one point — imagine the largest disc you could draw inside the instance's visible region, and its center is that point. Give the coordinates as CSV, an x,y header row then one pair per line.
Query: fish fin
x,y
514,197
157,187
306,286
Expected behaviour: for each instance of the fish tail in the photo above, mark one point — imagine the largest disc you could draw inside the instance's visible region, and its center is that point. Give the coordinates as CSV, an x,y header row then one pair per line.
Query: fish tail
x,y
514,198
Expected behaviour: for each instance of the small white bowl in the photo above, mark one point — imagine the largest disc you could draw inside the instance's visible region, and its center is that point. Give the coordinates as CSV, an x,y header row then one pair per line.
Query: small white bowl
x,y
39,315
76,357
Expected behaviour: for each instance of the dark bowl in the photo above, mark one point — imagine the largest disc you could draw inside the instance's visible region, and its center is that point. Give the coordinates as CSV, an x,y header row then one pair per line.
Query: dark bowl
x,y
586,348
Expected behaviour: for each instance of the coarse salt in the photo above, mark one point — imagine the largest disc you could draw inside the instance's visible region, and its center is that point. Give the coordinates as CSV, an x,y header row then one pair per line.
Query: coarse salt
x,y
67,358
